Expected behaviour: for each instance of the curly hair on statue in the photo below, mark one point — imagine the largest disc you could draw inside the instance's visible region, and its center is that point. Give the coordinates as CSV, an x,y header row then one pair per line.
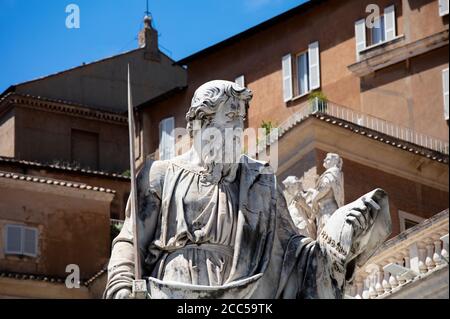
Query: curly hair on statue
x,y
209,96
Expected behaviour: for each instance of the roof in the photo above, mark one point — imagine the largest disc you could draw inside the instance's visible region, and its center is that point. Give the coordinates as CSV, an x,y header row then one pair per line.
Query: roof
x,y
51,181
253,30
83,65
369,133
162,97
66,168
62,106
74,68
46,278
103,84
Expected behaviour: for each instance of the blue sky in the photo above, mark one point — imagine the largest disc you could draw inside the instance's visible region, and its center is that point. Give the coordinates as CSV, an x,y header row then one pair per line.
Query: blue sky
x,y
34,40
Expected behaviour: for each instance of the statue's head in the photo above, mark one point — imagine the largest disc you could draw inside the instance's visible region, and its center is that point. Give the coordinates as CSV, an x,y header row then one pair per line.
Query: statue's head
x,y
216,122
218,103
332,160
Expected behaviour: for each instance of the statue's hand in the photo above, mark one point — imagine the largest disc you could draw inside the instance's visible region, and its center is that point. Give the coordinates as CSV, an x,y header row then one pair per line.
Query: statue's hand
x,y
362,216
123,293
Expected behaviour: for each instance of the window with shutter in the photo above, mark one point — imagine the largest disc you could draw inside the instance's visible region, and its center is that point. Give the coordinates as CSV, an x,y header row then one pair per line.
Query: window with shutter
x,y
443,7
303,73
445,92
21,240
360,36
408,220
13,238
29,241
378,31
240,80
166,138
287,77
314,66
389,23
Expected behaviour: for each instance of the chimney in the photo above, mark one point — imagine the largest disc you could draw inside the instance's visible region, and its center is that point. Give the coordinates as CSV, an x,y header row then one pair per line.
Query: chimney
x,y
148,39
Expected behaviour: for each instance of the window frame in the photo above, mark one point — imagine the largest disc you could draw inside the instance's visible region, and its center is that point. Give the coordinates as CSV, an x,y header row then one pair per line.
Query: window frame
x,y
403,216
368,33
22,251
160,151
296,77
445,93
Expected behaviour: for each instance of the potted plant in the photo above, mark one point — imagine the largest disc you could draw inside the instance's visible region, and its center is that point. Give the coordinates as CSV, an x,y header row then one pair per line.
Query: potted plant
x,y
318,101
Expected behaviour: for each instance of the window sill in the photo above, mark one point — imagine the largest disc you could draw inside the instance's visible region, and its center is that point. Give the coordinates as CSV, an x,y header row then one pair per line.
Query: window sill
x,y
298,97
381,44
389,53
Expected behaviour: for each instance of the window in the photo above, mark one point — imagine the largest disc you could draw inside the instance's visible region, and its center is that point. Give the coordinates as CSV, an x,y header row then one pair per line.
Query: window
x,y
307,72
378,31
302,73
240,80
445,92
166,138
21,240
408,220
383,30
286,65
443,7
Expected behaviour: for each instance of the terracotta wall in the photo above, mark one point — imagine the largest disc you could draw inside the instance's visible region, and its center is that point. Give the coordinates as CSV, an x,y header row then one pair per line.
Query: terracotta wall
x,y
46,137
407,93
404,194
7,134
73,227
121,186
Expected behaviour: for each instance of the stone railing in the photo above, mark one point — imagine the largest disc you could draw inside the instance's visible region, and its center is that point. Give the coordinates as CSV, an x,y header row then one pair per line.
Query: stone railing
x,y
410,256
364,120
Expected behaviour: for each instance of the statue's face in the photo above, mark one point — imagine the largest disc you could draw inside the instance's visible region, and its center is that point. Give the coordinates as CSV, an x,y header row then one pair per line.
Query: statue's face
x,y
221,136
230,114
328,161
331,160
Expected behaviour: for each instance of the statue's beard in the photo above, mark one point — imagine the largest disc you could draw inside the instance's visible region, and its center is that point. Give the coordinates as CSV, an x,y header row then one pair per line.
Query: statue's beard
x,y
216,168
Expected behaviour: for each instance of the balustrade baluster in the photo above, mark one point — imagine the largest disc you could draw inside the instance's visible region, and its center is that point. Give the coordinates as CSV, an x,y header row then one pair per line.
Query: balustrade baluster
x,y
437,257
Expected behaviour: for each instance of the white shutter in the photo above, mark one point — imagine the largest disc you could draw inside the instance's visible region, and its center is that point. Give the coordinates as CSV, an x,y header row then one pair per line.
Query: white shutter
x,y
443,7
287,77
240,80
13,238
166,139
314,66
445,90
30,241
360,36
389,23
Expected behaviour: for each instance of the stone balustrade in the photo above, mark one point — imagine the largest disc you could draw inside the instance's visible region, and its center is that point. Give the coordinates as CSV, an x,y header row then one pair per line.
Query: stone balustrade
x,y
412,255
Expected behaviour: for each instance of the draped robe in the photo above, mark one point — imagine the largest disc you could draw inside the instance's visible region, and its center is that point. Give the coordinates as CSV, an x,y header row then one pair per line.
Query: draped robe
x,y
263,254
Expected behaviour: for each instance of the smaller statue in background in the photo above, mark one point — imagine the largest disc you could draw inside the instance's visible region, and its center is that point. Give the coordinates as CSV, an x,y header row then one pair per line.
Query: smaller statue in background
x,y
310,209
328,195
299,209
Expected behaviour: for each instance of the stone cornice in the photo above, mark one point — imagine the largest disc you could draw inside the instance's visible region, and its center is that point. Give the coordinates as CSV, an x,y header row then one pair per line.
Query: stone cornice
x,y
390,53
61,107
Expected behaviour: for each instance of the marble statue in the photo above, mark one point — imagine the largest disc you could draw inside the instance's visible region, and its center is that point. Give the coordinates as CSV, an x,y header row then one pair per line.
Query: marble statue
x,y
328,194
299,207
214,229
311,209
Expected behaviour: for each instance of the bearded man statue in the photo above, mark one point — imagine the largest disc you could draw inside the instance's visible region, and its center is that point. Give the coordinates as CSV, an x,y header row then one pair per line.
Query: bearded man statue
x,y
210,228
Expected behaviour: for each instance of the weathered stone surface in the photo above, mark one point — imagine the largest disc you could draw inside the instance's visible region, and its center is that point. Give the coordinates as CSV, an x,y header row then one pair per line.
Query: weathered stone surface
x,y
310,208
214,229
